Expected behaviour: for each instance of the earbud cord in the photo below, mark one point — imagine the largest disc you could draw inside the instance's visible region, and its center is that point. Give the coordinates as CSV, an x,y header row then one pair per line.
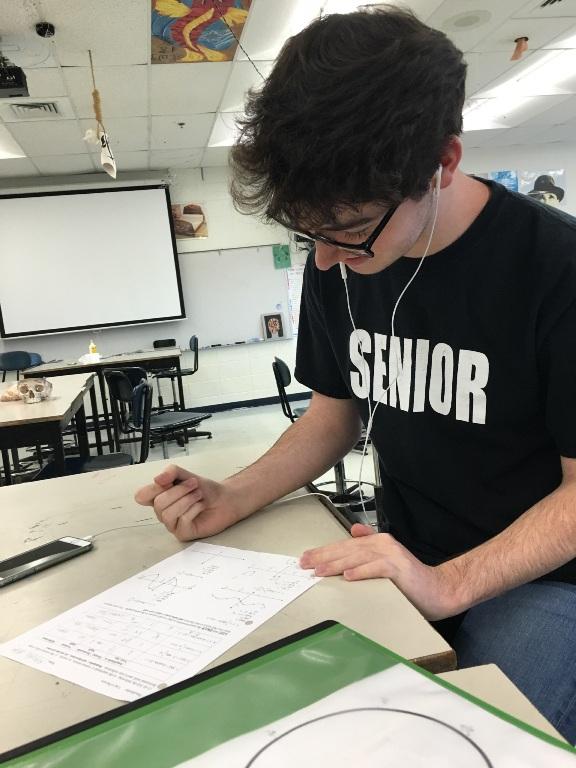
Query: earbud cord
x,y
372,411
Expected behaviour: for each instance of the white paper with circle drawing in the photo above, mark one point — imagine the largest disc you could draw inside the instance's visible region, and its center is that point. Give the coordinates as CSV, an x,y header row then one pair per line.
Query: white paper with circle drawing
x,y
164,624
398,719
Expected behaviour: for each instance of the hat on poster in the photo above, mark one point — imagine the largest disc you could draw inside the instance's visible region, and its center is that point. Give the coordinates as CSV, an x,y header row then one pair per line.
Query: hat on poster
x,y
545,183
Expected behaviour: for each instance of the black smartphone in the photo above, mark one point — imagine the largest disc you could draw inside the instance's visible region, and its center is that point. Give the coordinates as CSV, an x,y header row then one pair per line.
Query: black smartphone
x,y
37,559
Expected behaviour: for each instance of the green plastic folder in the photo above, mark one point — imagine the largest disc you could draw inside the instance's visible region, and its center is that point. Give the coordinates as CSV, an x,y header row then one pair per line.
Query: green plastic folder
x,y
184,720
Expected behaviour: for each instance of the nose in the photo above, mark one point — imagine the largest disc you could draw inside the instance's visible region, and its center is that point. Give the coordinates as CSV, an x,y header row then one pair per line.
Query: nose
x,y
327,255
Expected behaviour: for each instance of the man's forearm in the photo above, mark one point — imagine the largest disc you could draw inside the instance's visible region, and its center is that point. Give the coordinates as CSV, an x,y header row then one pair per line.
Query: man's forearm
x,y
542,539
308,448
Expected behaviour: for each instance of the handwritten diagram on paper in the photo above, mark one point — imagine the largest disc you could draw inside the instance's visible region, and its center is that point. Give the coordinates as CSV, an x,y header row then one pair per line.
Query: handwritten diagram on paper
x,y
165,623
397,718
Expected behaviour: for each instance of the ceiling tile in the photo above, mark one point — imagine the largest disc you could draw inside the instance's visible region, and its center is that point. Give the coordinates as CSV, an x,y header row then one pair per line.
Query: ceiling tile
x,y
467,22
58,164
216,156
540,32
123,90
175,158
269,25
125,133
116,32
473,139
558,114
193,131
20,166
534,9
45,82
523,134
15,16
555,133
49,137
186,89
131,161
528,65
243,77
529,108
492,68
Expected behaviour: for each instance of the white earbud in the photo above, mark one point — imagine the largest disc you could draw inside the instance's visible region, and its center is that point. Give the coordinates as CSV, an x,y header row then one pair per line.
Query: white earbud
x,y
372,410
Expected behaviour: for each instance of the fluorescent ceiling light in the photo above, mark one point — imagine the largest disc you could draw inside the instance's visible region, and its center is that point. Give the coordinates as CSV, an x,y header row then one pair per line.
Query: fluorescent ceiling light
x,y
9,148
494,107
491,114
566,42
225,131
543,76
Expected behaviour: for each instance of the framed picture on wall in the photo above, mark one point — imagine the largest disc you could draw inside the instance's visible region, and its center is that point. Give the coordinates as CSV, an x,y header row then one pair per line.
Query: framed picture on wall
x,y
273,326
189,221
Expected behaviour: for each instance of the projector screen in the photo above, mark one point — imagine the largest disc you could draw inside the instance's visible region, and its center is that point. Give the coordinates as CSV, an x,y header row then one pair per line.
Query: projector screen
x,y
72,261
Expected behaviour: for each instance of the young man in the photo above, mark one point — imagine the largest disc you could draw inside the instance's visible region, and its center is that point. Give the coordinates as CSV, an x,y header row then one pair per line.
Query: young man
x,y
353,139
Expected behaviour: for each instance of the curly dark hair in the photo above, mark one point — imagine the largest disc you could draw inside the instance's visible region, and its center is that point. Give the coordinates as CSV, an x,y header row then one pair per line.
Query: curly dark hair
x,y
358,108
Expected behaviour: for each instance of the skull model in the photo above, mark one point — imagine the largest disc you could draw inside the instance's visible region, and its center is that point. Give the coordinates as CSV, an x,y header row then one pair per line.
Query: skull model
x,y
34,390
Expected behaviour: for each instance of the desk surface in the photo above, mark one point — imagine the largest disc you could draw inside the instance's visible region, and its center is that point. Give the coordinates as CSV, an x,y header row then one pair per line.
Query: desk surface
x,y
65,392
105,362
34,703
490,684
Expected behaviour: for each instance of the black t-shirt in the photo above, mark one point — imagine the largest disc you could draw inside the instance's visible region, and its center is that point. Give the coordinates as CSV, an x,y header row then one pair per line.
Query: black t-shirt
x,y
471,433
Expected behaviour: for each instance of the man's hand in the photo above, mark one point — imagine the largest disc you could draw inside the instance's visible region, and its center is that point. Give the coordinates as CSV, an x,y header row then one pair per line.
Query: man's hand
x,y
191,507
370,555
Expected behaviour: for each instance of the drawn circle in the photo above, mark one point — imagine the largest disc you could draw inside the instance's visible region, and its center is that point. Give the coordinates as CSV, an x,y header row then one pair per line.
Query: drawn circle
x,y
371,737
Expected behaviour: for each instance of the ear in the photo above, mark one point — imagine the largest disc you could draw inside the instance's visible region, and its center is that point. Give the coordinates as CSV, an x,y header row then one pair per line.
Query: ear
x,y
451,157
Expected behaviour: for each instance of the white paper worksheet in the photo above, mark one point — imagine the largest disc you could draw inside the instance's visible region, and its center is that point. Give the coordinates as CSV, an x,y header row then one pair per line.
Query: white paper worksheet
x,y
398,719
164,624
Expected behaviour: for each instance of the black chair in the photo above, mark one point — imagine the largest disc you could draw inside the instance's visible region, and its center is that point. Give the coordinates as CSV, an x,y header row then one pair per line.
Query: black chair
x,y
284,379
171,373
138,416
345,495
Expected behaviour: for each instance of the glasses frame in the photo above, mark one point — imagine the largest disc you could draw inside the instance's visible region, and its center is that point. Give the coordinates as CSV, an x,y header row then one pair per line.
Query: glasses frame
x,y
364,247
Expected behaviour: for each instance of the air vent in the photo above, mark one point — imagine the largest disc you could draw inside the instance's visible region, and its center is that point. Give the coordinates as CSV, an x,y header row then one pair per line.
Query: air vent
x,y
546,3
26,110
35,110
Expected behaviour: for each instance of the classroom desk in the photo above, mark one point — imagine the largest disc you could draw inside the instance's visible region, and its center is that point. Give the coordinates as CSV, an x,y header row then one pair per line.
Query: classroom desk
x,y
147,359
23,424
34,703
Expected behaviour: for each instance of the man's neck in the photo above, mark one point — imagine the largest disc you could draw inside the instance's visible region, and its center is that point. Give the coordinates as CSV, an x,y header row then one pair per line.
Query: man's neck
x,y
459,205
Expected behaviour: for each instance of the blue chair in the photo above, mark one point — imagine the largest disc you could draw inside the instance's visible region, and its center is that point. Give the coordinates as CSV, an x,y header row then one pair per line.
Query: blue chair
x,y
35,359
14,361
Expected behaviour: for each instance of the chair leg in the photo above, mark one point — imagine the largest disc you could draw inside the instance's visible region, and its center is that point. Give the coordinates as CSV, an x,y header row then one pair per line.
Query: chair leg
x,y
339,476
160,400
175,403
164,447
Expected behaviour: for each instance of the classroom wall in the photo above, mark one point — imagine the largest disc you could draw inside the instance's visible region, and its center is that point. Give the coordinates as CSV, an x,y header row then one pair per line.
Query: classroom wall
x,y
554,156
230,374
227,374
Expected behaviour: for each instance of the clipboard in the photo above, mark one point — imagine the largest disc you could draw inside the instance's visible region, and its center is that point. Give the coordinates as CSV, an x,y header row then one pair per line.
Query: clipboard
x,y
191,717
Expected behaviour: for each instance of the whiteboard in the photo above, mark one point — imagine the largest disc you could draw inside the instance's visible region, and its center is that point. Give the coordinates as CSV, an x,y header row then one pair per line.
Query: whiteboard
x,y
226,293
89,259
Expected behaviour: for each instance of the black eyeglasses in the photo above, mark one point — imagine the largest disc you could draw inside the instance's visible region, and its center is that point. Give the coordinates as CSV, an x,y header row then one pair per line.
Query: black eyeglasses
x,y
364,247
